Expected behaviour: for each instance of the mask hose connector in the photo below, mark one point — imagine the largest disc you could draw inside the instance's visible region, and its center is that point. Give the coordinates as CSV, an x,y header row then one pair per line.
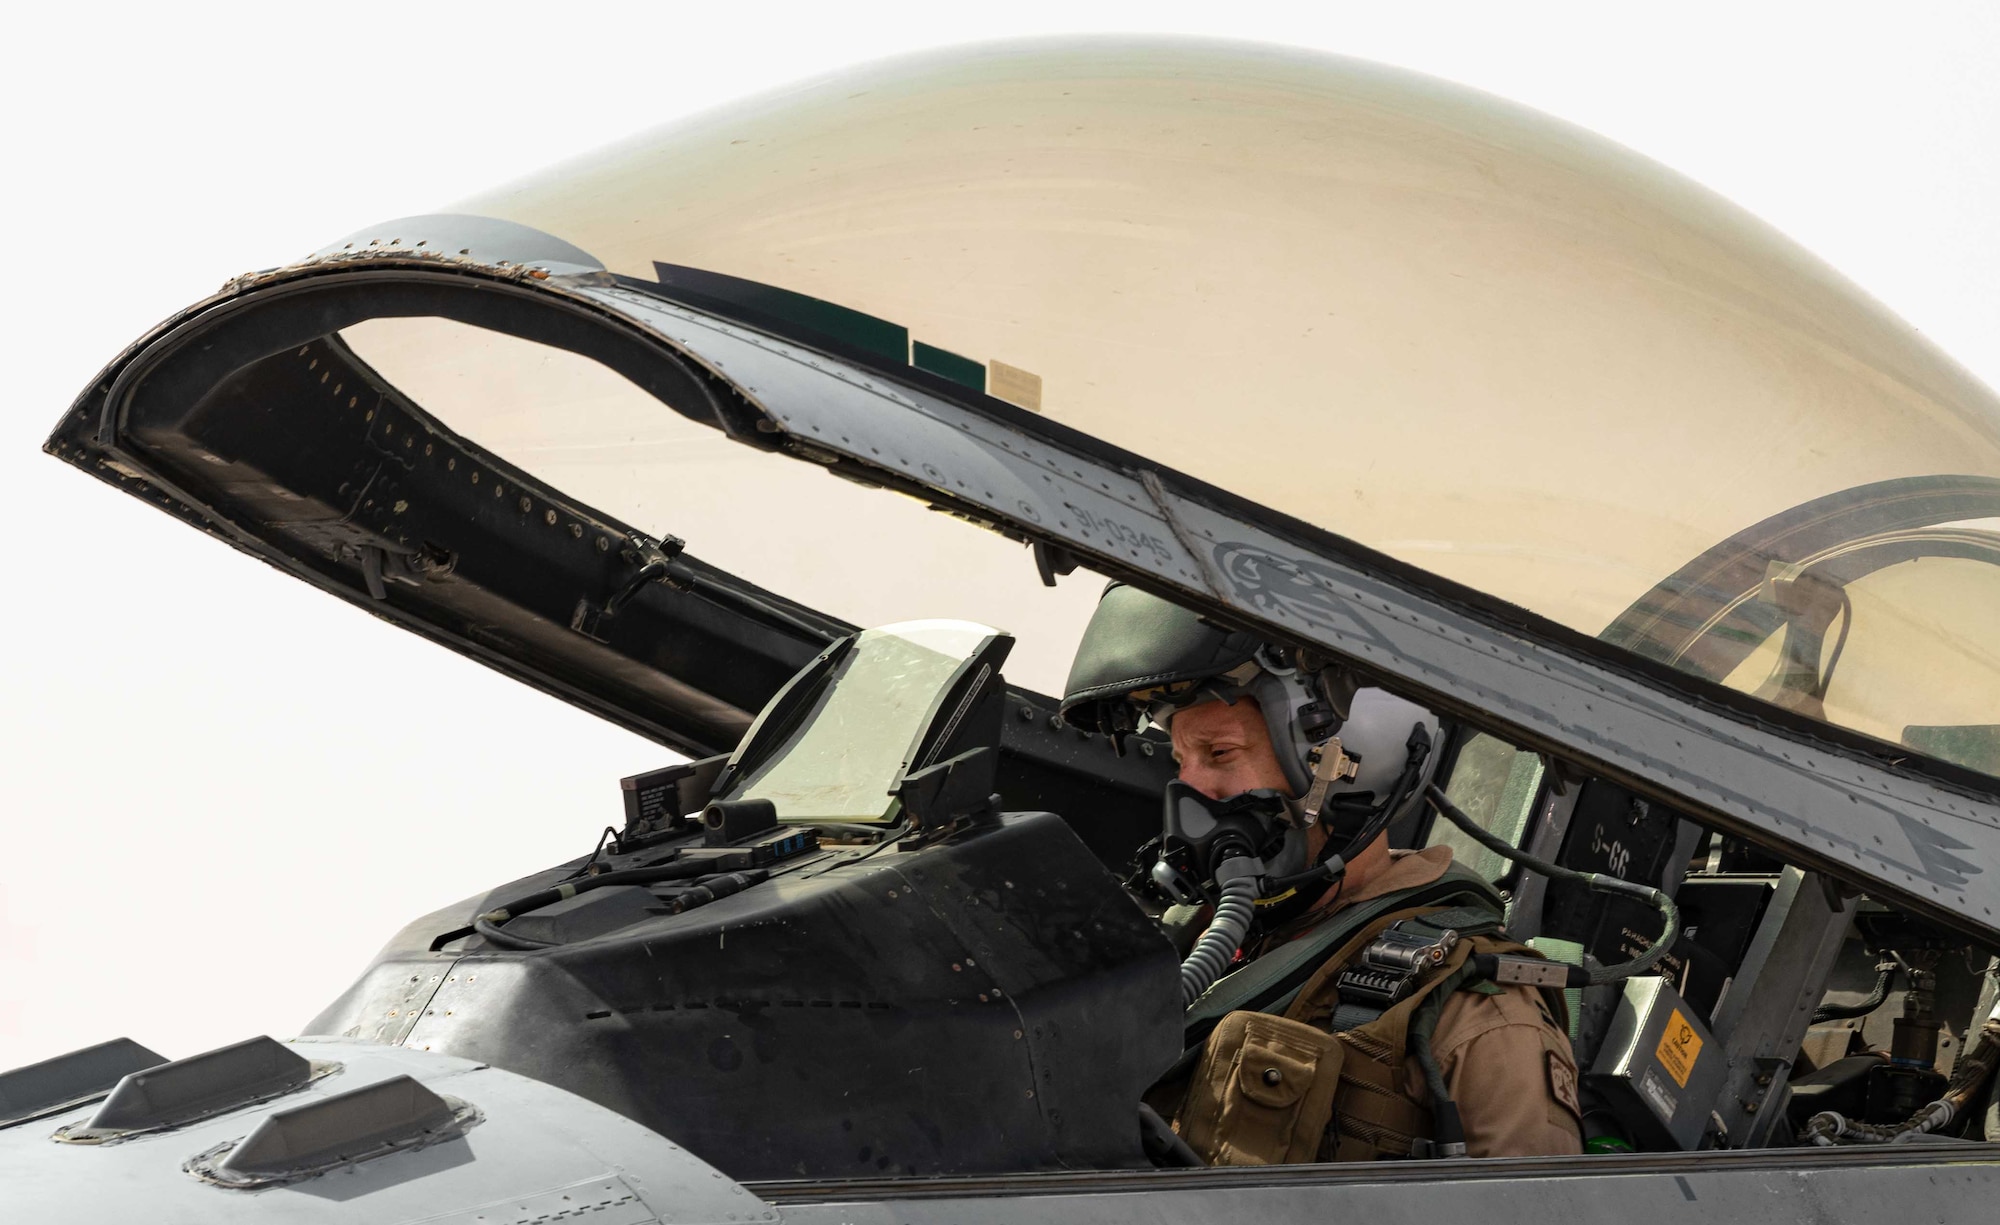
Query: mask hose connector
x,y
1325,874
1219,945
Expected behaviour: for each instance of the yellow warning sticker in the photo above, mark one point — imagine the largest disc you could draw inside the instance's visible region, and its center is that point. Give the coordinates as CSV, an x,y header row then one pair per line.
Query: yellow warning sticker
x,y
1679,1047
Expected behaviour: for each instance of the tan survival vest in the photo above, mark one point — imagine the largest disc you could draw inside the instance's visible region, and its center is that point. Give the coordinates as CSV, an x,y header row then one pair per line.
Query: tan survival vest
x,y
1315,1085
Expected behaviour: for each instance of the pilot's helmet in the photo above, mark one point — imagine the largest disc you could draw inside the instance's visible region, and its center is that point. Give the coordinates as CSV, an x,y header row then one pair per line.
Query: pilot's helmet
x,y
1143,658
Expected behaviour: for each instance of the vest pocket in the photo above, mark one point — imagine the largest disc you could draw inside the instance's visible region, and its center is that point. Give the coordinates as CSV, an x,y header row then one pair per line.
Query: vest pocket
x,y
1262,1093
1373,1116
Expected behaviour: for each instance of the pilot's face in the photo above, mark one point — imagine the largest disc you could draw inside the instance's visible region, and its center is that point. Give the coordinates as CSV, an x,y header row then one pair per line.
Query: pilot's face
x,y
1224,749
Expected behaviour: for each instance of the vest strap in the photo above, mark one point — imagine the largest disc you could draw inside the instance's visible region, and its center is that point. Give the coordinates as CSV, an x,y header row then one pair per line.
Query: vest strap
x,y
1352,1016
1271,982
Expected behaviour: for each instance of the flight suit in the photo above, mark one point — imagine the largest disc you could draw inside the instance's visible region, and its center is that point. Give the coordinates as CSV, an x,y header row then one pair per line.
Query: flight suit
x,y
1273,1089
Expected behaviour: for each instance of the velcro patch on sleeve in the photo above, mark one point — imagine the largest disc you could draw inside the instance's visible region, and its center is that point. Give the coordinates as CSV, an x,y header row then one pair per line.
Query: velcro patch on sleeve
x,y
1562,1083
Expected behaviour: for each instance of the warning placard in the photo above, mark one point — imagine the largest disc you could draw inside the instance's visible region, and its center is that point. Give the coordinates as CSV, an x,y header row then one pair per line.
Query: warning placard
x,y
1679,1047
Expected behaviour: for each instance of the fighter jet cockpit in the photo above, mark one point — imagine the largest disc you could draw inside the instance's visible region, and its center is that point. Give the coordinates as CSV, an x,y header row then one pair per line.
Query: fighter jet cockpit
x,y
1553,511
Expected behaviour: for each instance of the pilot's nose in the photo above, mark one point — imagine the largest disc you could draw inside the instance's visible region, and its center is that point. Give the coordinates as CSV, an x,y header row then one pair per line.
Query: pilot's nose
x,y
1203,778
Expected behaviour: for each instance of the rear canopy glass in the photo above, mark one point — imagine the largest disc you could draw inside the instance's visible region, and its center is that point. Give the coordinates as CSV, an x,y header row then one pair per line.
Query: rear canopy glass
x,y
1487,343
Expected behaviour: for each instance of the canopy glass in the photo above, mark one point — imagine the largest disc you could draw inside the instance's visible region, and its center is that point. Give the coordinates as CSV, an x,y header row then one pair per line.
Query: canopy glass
x,y
1486,343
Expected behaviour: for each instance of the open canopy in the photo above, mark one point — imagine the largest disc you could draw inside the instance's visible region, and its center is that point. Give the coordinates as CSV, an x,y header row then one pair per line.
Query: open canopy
x,y
1512,422
1481,341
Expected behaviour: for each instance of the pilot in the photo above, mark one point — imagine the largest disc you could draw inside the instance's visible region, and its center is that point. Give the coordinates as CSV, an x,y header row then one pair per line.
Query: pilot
x,y
1247,720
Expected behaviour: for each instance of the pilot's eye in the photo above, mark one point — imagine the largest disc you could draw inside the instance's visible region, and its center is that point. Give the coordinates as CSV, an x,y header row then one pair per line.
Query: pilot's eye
x,y
1222,752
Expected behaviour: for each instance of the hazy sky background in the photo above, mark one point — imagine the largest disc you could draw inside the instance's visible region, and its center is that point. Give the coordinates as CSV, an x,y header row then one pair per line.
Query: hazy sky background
x,y
222,790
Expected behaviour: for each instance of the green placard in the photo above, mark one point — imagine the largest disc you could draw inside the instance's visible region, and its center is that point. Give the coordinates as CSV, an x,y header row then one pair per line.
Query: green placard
x,y
943,361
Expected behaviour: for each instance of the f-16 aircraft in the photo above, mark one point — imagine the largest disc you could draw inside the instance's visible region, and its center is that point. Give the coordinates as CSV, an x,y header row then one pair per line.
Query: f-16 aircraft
x,y
804,436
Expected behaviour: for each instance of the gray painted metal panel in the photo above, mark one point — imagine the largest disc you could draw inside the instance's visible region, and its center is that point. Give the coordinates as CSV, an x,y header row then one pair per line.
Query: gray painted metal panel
x,y
1544,840
1705,1188
536,1153
1770,1002
1908,837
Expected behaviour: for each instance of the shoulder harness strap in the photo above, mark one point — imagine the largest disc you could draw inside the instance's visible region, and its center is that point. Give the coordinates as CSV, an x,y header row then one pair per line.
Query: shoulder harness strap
x,y
1273,981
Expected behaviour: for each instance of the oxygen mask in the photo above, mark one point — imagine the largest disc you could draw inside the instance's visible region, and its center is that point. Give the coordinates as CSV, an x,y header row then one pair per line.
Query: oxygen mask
x,y
1232,853
1204,843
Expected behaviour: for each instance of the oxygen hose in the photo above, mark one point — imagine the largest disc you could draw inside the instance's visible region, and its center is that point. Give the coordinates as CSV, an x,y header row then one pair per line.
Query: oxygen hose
x,y
1670,917
1219,944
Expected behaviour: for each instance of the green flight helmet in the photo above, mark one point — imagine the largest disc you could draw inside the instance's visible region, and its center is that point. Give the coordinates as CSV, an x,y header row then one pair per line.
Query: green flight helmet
x,y
1142,658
